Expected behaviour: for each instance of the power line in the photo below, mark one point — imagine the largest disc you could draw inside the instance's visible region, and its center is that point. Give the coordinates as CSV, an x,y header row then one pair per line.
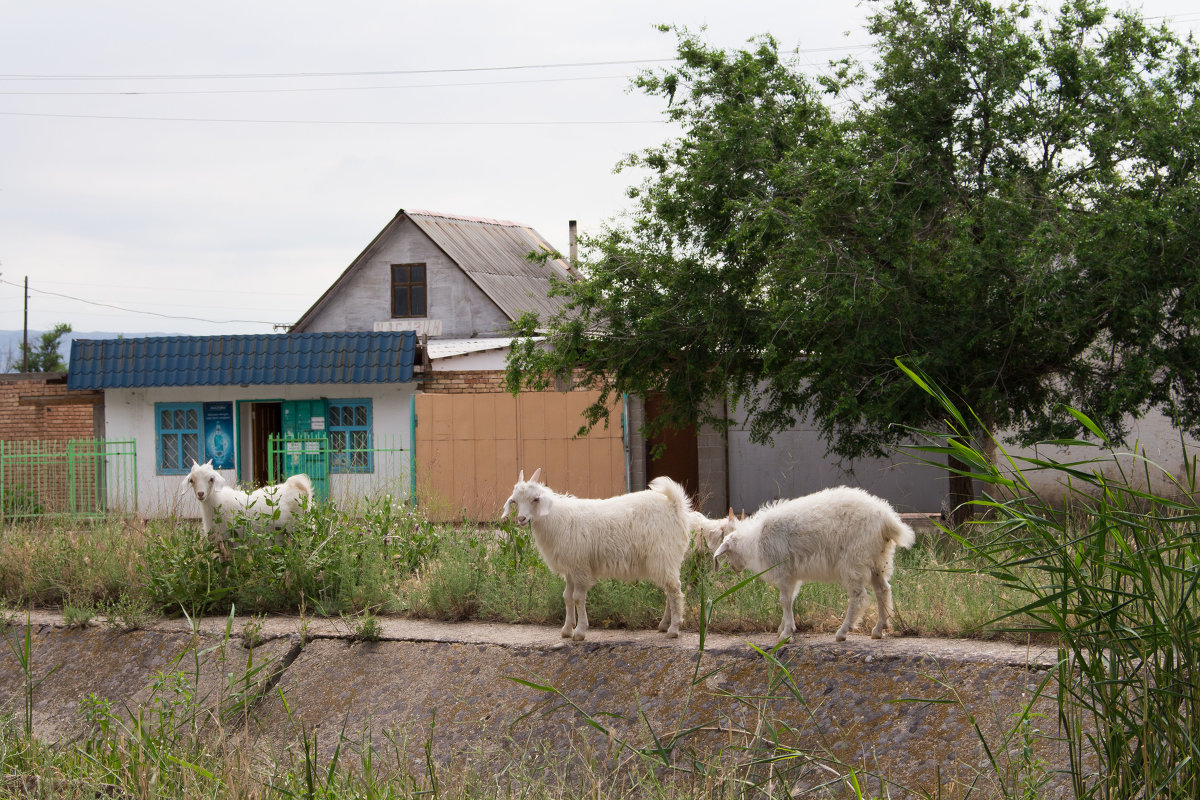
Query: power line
x,y
166,289
316,88
144,313
402,123
359,74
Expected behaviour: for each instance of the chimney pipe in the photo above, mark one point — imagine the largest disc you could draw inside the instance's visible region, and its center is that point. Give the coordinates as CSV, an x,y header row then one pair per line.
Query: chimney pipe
x,y
574,236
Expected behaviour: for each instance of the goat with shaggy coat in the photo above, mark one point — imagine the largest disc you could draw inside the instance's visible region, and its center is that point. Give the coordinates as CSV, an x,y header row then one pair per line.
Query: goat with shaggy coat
x,y
841,535
637,536
271,507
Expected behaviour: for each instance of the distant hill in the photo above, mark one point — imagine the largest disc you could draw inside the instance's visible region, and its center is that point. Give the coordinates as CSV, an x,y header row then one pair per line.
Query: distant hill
x,y
10,343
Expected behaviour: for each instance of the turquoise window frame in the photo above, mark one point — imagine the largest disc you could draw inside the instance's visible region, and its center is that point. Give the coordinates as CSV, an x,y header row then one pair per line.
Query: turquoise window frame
x,y
348,426
171,440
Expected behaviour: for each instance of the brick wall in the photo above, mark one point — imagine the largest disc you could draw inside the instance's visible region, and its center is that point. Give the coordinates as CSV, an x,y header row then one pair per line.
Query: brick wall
x,y
465,382
473,382
20,423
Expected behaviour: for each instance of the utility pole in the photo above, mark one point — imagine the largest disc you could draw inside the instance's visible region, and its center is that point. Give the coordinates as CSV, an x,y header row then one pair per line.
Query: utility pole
x,y
25,351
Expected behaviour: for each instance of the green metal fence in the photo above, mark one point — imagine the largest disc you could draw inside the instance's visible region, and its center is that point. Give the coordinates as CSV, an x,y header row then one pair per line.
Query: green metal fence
x,y
344,470
75,478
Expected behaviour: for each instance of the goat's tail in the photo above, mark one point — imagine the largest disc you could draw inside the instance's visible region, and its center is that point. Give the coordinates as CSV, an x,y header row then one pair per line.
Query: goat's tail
x,y
302,485
898,531
674,492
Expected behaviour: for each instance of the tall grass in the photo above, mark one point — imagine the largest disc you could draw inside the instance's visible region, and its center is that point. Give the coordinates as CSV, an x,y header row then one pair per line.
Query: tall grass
x,y
45,564
1113,571
386,558
331,562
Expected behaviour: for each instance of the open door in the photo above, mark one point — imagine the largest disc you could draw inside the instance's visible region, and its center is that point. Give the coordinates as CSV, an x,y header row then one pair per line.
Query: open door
x,y
680,459
265,421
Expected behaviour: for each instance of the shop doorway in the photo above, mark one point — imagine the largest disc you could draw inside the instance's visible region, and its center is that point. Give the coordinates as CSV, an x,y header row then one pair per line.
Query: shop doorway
x,y
265,421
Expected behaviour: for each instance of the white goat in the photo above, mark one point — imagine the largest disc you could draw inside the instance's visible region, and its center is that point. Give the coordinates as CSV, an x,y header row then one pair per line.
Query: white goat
x,y
713,531
271,507
841,535
636,536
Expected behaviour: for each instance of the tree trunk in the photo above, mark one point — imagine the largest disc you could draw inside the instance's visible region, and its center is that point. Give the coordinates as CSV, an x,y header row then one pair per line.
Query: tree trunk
x,y
962,492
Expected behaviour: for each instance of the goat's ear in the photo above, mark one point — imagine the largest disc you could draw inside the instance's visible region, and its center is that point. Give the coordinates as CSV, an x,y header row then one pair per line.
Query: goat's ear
x,y
714,538
545,501
536,473
720,552
507,507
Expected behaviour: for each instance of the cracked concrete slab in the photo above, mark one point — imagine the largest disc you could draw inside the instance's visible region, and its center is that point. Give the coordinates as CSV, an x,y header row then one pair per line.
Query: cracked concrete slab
x,y
470,691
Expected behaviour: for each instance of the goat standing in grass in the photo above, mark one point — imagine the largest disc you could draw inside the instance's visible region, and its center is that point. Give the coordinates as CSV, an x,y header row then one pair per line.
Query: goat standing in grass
x,y
636,536
221,505
841,535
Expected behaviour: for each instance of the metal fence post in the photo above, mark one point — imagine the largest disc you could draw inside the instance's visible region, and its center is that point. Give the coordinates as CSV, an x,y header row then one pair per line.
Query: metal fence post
x,y
72,476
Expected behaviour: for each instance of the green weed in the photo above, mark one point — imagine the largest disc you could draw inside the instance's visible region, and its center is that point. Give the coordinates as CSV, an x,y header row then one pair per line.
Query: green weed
x,y
1113,575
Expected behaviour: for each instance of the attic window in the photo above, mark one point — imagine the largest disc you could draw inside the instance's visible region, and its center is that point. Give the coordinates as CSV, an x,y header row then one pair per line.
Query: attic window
x,y
408,290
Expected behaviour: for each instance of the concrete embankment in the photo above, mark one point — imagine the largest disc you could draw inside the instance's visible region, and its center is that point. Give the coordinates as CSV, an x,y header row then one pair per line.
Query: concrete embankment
x,y
463,691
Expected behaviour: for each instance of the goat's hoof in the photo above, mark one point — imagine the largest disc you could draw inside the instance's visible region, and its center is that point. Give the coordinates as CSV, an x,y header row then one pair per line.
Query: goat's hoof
x,y
578,637
673,634
876,634
566,633
839,637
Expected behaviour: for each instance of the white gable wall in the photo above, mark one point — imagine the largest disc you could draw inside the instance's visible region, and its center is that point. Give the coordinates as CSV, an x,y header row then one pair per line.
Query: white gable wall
x,y
129,415
365,296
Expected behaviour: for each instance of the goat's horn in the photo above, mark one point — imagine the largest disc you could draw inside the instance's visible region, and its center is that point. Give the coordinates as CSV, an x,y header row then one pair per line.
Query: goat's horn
x,y
720,552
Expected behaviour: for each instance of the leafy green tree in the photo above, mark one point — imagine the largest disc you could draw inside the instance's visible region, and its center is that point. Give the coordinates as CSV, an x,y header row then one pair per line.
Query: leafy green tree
x,y
1008,203
43,356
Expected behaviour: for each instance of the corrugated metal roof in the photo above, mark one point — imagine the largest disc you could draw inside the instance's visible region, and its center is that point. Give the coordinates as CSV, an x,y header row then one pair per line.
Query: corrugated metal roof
x,y
493,254
299,358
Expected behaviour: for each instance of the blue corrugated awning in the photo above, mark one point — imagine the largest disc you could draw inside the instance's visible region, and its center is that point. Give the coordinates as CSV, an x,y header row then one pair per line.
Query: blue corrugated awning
x,y
286,358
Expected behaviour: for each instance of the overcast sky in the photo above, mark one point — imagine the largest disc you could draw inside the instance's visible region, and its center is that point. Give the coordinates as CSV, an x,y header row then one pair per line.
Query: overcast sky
x,y
225,161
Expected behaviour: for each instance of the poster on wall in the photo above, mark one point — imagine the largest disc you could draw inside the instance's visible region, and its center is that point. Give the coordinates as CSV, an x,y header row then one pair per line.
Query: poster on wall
x,y
218,434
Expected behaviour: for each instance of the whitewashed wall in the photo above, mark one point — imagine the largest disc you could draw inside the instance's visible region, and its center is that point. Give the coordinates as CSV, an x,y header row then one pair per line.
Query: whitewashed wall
x,y
1152,438
129,414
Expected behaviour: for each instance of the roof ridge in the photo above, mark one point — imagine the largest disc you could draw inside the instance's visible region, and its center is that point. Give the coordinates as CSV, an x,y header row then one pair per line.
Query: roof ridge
x,y
466,218
194,336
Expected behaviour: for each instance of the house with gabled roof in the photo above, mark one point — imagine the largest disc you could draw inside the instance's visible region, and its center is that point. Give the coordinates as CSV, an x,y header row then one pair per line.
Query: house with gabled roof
x,y
443,276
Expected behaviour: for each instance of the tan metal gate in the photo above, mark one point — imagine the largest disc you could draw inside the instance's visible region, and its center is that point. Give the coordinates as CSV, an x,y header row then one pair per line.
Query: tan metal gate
x,y
470,448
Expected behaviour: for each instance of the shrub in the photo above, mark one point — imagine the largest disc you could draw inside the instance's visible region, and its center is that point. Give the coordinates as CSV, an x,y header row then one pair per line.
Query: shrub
x,y
327,561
